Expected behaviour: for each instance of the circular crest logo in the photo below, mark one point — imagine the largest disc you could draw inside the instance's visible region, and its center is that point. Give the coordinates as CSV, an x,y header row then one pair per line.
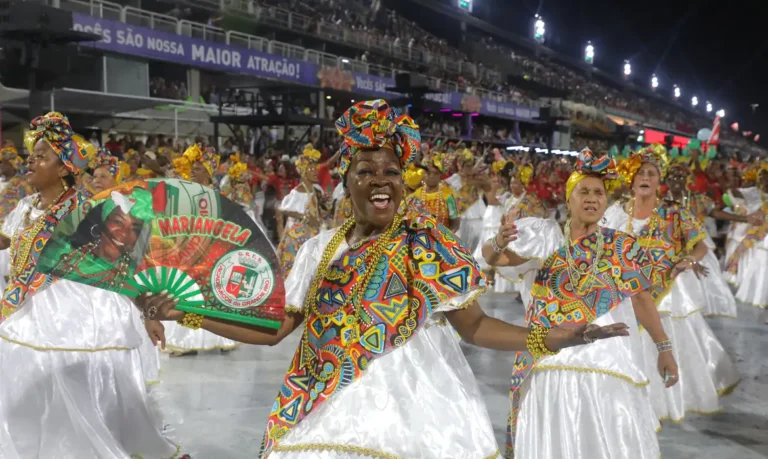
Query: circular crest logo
x,y
242,279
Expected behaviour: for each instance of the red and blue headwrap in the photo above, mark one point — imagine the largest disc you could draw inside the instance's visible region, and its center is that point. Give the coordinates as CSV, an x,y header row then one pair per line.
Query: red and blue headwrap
x,y
374,124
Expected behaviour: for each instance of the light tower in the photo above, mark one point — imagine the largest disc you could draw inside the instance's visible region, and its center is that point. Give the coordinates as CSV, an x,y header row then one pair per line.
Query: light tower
x,y
627,69
709,107
654,82
539,29
677,92
589,53
694,101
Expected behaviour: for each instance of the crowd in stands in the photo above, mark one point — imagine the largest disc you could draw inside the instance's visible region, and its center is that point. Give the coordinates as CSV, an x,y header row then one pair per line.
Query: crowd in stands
x,y
165,89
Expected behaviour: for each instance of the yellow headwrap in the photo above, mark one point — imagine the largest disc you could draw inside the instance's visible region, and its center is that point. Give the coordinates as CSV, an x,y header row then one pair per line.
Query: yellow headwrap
x,y
589,166
11,155
655,154
208,158
497,166
237,168
413,176
309,156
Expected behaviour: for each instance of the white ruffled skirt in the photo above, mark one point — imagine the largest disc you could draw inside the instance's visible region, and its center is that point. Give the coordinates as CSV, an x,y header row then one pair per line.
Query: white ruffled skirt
x,y
590,401
5,268
182,339
753,276
719,300
71,381
706,372
418,401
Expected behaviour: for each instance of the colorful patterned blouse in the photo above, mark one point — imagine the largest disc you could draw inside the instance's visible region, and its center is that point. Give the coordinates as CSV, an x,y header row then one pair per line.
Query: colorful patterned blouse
x,y
424,267
622,271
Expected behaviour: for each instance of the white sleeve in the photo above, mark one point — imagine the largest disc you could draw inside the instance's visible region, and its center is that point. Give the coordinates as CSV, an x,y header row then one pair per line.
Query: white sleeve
x,y
491,224
303,272
454,181
296,201
537,239
13,220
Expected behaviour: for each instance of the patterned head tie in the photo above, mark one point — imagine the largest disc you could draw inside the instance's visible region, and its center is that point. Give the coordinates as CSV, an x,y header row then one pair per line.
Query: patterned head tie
x,y
309,156
374,124
655,154
588,165
107,161
237,170
54,128
11,155
207,157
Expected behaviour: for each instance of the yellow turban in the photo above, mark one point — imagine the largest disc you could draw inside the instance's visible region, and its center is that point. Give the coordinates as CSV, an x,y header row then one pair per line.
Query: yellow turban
x,y
589,166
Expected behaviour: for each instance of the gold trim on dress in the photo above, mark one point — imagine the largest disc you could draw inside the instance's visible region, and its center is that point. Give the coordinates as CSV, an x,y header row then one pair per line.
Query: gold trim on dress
x,y
175,455
687,315
359,450
615,374
169,348
293,308
65,349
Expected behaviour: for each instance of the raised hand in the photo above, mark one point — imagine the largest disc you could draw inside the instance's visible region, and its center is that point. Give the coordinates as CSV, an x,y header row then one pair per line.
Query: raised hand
x,y
508,229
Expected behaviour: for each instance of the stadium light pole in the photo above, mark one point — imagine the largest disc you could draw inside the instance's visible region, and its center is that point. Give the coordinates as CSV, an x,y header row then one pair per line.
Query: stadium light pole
x,y
627,69
654,82
589,53
677,92
709,107
539,29
694,101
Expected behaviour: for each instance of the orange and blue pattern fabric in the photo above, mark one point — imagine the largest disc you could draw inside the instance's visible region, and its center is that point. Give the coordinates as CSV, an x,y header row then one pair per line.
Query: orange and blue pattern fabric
x,y
677,231
423,267
623,271
55,129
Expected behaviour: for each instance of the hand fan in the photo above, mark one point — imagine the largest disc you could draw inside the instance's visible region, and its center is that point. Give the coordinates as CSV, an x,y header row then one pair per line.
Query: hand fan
x,y
174,236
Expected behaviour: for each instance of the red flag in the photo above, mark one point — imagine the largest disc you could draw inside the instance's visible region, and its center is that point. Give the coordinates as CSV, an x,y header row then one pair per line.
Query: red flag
x,y
714,138
735,127
747,133
757,137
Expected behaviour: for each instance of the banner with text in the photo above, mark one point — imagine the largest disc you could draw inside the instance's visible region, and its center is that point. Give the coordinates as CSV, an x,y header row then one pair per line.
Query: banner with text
x,y
124,38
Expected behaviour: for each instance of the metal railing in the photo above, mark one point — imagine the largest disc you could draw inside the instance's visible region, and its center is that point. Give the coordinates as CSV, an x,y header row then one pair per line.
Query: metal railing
x,y
143,18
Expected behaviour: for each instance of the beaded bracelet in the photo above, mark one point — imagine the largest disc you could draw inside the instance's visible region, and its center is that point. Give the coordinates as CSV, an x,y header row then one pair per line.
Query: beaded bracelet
x,y
495,246
535,342
191,321
664,346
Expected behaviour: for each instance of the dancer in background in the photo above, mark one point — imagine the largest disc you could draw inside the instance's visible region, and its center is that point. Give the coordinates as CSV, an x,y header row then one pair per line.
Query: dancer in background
x,y
108,173
197,164
434,196
514,179
13,188
71,382
591,401
468,186
384,344
674,240
750,257
303,207
719,299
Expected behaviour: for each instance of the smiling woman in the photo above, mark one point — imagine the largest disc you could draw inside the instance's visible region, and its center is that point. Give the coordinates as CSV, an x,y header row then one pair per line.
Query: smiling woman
x,y
68,351
376,296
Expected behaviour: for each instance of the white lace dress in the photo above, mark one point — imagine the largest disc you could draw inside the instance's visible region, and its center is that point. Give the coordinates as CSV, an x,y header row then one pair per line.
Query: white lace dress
x,y
706,372
752,273
71,380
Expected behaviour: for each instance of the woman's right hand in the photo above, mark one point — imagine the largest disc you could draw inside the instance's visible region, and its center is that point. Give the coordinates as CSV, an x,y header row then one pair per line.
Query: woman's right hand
x,y
159,306
668,368
508,229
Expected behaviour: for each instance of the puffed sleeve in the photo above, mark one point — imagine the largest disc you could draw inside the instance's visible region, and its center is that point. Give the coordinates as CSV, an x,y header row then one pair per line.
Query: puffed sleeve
x,y
13,220
537,239
302,274
296,201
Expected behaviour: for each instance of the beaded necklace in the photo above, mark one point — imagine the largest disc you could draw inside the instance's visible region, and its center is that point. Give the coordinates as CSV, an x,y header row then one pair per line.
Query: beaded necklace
x,y
441,211
19,258
652,223
372,256
574,272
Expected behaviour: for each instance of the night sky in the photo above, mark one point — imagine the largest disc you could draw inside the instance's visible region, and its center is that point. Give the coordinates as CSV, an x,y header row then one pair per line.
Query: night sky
x,y
716,50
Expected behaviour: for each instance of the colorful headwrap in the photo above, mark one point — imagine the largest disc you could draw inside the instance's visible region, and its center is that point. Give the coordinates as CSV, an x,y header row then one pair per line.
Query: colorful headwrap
x,y
104,159
207,157
238,168
413,176
655,154
588,165
137,205
55,129
439,160
11,155
680,163
466,155
309,156
374,124
130,154
497,166
522,173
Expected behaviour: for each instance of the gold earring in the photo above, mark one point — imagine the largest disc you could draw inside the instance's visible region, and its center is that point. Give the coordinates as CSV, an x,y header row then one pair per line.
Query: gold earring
x,y
64,184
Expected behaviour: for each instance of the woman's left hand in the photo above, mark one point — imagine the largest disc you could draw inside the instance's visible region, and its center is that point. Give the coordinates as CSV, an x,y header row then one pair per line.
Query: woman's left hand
x,y
686,264
560,338
159,306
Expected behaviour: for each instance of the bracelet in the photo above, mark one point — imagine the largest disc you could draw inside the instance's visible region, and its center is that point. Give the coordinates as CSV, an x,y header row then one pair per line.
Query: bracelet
x,y
535,342
495,246
191,321
664,346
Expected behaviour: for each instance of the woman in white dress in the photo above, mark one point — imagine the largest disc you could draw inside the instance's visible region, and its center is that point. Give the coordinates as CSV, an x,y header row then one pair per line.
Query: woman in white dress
x,y
593,401
108,172
71,382
674,240
719,299
469,187
197,164
749,261
514,180
378,373
13,187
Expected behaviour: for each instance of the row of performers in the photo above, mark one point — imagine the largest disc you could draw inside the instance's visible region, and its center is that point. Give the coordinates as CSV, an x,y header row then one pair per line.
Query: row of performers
x,y
387,353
